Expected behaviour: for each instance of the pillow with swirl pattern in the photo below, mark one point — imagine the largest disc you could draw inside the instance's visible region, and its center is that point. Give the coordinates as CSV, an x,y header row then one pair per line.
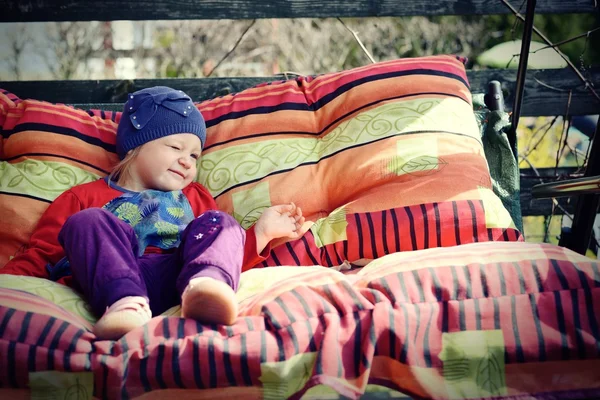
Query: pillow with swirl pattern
x,y
382,158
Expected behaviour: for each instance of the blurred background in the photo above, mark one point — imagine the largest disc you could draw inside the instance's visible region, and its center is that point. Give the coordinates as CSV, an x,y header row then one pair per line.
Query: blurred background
x,y
265,47
152,49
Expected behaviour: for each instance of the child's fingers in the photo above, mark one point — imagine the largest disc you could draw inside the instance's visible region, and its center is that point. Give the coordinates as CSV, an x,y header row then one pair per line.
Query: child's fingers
x,y
283,208
290,208
299,223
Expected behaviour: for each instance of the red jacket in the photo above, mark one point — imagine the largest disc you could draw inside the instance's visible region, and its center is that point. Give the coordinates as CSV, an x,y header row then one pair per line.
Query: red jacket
x,y
43,247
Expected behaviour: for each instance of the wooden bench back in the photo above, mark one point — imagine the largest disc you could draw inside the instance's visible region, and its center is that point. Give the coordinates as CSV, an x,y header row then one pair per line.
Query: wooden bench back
x,y
539,99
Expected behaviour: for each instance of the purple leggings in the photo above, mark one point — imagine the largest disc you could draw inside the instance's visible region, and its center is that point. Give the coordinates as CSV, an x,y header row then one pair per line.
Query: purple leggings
x,y
102,251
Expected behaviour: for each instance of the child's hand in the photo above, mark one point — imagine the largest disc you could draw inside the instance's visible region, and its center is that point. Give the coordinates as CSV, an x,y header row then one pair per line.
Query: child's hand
x,y
280,221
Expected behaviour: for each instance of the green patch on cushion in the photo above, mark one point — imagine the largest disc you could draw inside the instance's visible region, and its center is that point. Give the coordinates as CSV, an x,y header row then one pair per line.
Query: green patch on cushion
x,y
474,363
248,205
223,169
284,378
325,392
61,385
56,293
496,215
416,156
41,179
331,229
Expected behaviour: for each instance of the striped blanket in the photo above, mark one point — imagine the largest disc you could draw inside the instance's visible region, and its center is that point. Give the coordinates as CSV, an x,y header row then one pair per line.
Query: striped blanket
x,y
388,165
481,320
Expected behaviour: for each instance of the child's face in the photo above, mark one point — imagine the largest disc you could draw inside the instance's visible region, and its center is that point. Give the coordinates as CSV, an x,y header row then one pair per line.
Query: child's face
x,y
167,164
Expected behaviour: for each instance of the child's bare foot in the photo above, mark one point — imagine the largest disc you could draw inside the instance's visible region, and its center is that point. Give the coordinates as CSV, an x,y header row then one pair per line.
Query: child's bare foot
x,y
123,316
210,301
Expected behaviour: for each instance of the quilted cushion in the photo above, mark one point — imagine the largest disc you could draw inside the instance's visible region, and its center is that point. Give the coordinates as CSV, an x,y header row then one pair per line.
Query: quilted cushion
x,y
46,149
381,158
500,320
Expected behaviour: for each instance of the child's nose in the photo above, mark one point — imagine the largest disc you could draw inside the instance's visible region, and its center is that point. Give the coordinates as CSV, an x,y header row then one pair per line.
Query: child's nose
x,y
185,162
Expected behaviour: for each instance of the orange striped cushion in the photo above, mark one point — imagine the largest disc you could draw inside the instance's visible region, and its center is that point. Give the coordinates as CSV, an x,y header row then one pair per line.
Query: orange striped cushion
x,y
46,149
381,158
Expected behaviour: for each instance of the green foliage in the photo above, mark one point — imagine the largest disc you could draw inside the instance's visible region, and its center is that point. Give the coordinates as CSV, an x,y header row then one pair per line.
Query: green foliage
x,y
171,71
556,28
165,38
354,58
506,55
541,139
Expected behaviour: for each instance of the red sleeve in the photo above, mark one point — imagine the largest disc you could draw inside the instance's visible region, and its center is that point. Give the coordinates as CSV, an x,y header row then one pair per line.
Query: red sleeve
x,y
43,246
251,257
201,200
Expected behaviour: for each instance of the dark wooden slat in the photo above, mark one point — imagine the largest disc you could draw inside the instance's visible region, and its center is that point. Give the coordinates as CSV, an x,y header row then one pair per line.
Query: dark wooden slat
x,y
531,206
108,94
539,97
111,10
538,100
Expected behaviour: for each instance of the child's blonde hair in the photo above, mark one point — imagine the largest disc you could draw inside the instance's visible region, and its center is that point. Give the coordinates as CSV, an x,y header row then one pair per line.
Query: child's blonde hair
x,y
123,167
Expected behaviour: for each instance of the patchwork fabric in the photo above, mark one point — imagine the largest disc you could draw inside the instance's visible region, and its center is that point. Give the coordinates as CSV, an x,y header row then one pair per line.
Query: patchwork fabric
x,y
370,235
48,292
482,320
382,158
46,149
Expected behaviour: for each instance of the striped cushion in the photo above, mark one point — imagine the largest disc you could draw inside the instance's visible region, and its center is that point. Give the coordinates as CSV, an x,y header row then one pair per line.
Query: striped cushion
x,y
381,158
484,320
46,150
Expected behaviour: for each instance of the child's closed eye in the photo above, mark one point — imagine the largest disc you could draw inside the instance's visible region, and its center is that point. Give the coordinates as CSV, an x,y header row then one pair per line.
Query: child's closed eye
x,y
175,147
195,156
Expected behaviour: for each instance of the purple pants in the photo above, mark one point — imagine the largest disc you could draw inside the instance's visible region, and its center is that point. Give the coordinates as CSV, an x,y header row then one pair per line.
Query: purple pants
x,y
102,251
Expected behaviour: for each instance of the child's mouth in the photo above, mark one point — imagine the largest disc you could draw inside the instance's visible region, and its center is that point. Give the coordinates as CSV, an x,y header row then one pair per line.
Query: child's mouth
x,y
177,173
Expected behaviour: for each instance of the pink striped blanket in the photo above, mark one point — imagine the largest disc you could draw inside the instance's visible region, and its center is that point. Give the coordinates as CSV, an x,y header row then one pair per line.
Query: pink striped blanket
x,y
483,320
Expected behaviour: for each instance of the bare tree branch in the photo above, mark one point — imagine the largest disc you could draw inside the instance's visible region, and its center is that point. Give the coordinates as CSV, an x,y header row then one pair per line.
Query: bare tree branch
x,y
233,48
18,39
360,43
587,83
557,44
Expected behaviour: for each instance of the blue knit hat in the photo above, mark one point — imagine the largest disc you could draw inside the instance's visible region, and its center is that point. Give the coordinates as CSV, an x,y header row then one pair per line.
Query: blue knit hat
x,y
156,112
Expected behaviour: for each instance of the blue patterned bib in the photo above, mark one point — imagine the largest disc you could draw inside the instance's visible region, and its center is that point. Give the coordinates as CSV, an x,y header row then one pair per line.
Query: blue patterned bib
x,y
158,218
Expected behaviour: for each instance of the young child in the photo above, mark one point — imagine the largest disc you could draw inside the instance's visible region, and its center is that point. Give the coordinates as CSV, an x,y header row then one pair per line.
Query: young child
x,y
147,237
